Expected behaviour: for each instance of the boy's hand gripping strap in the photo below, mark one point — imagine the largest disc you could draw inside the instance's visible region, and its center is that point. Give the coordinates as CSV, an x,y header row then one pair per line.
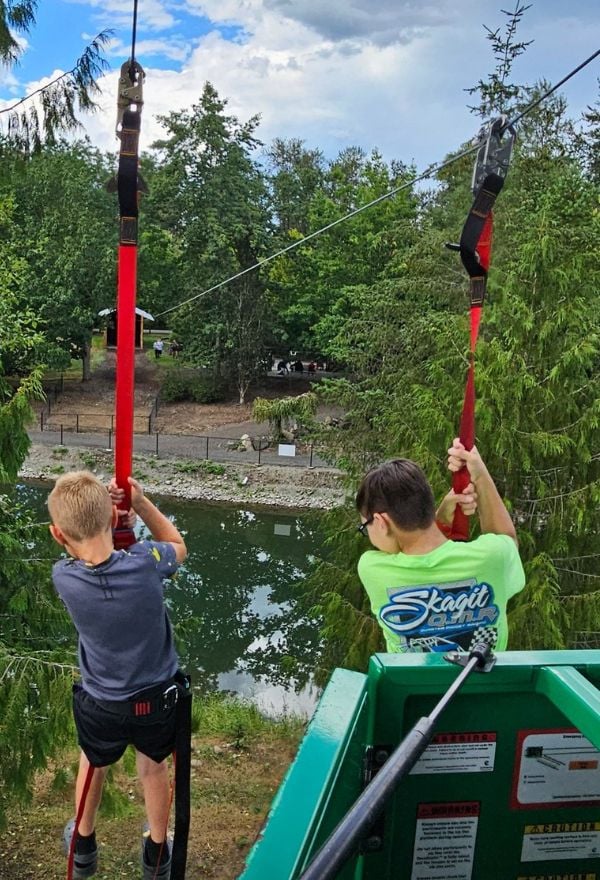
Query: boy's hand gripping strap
x,y
491,167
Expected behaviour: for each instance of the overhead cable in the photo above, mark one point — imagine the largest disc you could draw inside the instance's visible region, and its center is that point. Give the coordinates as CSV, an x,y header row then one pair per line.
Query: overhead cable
x,y
432,169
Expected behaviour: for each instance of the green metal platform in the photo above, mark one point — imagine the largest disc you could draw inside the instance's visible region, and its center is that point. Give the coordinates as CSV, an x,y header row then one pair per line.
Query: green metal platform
x,y
508,790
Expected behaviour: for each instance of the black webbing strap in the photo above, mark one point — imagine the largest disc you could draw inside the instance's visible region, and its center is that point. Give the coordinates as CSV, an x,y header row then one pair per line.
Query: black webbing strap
x,y
489,173
127,177
474,245
183,756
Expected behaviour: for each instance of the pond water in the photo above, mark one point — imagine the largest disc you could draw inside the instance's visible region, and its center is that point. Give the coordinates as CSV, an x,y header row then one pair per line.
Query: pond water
x,y
235,601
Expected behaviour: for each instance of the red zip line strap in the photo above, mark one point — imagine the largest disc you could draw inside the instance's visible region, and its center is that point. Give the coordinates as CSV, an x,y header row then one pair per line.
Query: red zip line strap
x,y
80,809
130,102
491,167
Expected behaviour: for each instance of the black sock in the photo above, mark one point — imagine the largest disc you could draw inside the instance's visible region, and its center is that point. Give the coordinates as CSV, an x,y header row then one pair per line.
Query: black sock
x,y
85,845
153,849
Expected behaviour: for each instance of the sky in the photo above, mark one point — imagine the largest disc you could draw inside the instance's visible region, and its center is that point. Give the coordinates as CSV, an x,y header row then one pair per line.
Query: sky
x,y
385,74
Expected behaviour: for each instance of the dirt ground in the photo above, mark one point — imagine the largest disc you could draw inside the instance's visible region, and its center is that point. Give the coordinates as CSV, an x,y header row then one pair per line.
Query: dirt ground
x,y
89,406
232,788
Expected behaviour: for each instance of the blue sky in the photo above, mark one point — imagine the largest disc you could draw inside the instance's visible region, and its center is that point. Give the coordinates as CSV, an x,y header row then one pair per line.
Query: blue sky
x,y
376,73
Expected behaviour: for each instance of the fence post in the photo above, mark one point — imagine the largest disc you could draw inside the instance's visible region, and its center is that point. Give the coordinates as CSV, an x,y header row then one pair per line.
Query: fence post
x,y
49,406
157,444
206,456
259,449
150,423
110,438
77,424
310,464
41,420
61,435
112,422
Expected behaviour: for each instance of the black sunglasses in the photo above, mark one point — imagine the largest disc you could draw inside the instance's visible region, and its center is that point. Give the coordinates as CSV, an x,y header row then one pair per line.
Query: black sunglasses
x,y
362,528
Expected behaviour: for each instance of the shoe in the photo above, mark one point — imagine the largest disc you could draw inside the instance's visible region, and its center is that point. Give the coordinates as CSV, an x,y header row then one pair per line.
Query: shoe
x,y
84,865
155,872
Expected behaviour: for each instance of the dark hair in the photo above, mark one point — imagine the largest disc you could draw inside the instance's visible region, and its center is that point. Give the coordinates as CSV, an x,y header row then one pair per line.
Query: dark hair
x,y
399,488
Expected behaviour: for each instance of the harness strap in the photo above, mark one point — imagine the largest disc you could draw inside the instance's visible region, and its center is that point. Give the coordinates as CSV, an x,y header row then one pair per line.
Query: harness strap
x,y
130,102
182,760
80,809
491,167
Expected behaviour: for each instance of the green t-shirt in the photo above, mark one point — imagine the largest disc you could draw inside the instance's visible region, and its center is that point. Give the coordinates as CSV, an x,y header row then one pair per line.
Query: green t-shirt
x,y
436,601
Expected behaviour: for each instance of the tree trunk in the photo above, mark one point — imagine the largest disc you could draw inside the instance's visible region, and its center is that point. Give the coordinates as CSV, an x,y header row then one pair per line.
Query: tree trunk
x,y
86,365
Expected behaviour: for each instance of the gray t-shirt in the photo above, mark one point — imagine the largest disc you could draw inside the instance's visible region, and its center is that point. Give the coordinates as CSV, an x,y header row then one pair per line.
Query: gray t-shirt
x,y
125,637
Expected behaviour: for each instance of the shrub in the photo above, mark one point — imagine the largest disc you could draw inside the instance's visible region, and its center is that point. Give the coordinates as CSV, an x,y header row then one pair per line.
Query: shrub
x,y
187,385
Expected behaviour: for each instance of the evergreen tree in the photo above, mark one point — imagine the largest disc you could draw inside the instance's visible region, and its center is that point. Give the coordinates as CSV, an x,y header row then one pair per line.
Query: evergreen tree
x,y
537,377
209,195
34,678
29,123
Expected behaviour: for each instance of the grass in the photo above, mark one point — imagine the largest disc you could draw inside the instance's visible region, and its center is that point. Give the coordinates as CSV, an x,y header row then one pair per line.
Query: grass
x,y
239,759
74,370
88,459
218,714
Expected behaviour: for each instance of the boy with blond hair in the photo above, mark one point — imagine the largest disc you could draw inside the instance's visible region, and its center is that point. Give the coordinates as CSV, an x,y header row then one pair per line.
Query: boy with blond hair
x,y
127,659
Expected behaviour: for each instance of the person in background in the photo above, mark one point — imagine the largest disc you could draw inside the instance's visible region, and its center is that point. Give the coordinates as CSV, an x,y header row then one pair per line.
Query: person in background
x,y
158,346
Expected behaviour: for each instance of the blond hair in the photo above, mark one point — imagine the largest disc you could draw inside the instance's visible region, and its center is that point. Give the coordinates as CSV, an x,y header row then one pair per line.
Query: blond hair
x,y
80,506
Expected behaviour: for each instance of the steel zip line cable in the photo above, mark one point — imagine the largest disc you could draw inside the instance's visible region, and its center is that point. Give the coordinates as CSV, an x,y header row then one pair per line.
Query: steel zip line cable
x,y
553,89
427,173
134,32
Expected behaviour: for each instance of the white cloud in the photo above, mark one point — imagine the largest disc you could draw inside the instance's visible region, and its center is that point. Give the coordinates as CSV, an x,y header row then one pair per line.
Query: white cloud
x,y
338,74
9,83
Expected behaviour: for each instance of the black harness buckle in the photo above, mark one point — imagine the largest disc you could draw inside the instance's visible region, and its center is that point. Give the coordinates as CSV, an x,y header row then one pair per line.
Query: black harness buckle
x,y
170,697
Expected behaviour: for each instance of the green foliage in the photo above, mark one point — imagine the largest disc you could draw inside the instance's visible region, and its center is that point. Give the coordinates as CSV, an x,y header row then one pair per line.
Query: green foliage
x,y
208,196
496,92
538,383
31,123
282,412
201,466
199,387
70,256
223,715
36,655
89,459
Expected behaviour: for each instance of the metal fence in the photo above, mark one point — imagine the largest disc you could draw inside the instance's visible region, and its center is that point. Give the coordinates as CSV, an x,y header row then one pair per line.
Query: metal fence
x,y
91,422
189,447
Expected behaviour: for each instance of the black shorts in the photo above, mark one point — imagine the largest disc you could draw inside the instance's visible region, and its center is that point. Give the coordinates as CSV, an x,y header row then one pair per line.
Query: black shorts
x,y
104,735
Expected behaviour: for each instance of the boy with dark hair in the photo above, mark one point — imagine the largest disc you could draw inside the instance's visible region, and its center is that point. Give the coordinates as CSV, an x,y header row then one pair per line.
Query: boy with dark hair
x,y
127,659
429,593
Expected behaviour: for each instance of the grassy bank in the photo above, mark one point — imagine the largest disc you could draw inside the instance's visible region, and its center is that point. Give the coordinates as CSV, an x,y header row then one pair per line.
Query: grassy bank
x,y
238,761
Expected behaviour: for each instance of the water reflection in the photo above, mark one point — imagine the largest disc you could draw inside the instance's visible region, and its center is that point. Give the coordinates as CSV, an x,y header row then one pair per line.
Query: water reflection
x,y
235,601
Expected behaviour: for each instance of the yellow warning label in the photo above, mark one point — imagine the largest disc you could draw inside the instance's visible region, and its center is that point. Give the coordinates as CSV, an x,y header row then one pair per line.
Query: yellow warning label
x,y
561,827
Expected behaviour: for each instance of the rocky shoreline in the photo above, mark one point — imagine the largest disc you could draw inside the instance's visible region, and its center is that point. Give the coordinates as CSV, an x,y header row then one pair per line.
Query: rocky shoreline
x,y
267,486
